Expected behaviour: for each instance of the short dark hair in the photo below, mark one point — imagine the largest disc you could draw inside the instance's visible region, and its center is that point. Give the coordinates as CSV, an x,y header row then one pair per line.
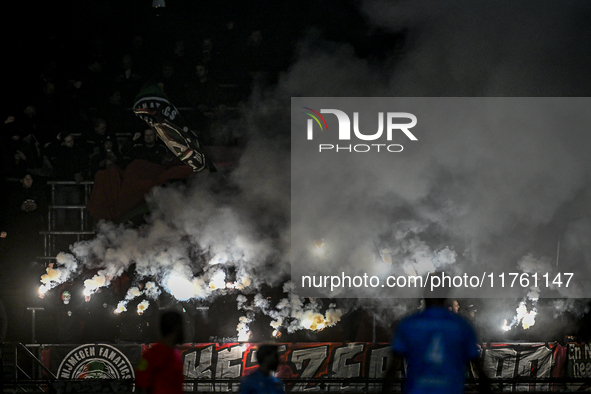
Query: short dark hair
x,y
265,351
437,293
169,322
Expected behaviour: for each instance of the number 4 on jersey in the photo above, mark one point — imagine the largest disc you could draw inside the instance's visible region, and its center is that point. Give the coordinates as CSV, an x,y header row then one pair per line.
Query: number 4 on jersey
x,y
435,350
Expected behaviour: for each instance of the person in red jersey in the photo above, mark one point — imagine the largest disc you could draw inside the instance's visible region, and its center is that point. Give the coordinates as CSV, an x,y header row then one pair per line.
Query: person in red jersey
x,y
160,370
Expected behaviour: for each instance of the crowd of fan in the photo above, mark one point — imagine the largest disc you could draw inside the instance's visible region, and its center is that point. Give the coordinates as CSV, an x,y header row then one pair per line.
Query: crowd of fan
x,y
77,119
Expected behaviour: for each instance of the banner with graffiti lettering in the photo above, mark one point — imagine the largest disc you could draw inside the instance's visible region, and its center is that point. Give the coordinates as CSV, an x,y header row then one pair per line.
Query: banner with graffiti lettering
x,y
356,367
304,366
527,360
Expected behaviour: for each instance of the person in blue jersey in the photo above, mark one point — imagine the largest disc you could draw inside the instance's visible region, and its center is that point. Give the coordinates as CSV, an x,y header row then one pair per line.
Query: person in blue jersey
x,y
437,345
262,380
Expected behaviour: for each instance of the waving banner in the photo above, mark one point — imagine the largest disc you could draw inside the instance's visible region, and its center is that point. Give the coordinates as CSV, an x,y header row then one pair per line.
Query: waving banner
x,y
159,113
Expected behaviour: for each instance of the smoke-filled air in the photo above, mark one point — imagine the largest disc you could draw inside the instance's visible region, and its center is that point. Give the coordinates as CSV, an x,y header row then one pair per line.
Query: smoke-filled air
x,y
480,195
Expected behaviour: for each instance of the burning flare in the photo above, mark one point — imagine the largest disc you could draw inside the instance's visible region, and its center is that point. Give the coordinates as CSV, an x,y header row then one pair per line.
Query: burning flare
x,y
218,280
142,306
121,307
526,317
92,285
505,327
244,332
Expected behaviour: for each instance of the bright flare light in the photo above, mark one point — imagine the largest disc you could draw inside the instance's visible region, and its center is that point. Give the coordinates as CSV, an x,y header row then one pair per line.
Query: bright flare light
x,y
133,292
92,285
244,333
313,321
142,306
181,288
529,319
120,307
505,327
319,247
245,282
218,280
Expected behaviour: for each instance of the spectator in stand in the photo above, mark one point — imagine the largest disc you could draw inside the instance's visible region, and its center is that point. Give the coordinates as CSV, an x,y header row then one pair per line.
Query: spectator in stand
x,y
98,319
50,112
203,93
27,208
69,160
180,60
63,304
30,197
208,53
134,325
171,83
150,149
106,158
141,55
96,140
128,81
257,57
18,155
94,76
229,39
74,103
29,122
119,119
27,126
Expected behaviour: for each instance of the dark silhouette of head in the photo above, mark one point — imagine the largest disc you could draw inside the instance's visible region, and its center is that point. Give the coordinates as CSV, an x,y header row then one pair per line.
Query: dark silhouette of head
x,y
437,289
171,328
268,358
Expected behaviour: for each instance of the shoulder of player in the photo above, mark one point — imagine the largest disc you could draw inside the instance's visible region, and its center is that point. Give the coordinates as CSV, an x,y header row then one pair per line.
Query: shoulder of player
x,y
414,317
250,379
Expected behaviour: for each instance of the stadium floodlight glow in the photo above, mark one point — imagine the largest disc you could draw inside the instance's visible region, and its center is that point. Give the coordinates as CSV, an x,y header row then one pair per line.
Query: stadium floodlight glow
x,y
319,249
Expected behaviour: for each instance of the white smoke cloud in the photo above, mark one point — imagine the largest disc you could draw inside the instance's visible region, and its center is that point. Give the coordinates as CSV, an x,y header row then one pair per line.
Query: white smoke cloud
x,y
492,197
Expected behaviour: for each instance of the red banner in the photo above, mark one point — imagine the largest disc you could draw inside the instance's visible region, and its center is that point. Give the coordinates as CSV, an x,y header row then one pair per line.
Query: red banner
x,y
356,366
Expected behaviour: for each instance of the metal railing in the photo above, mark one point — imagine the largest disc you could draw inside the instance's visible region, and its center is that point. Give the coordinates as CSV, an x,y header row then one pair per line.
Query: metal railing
x,y
24,371
83,230
326,385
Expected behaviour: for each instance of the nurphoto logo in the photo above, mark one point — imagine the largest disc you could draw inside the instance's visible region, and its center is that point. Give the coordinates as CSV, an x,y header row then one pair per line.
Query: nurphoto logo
x,y
391,119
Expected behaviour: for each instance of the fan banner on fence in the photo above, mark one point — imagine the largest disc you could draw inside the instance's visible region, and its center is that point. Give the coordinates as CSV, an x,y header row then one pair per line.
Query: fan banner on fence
x,y
348,366
578,360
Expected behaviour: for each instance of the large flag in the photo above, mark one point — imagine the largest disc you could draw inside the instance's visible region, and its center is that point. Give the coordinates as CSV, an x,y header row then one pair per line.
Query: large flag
x,y
159,113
